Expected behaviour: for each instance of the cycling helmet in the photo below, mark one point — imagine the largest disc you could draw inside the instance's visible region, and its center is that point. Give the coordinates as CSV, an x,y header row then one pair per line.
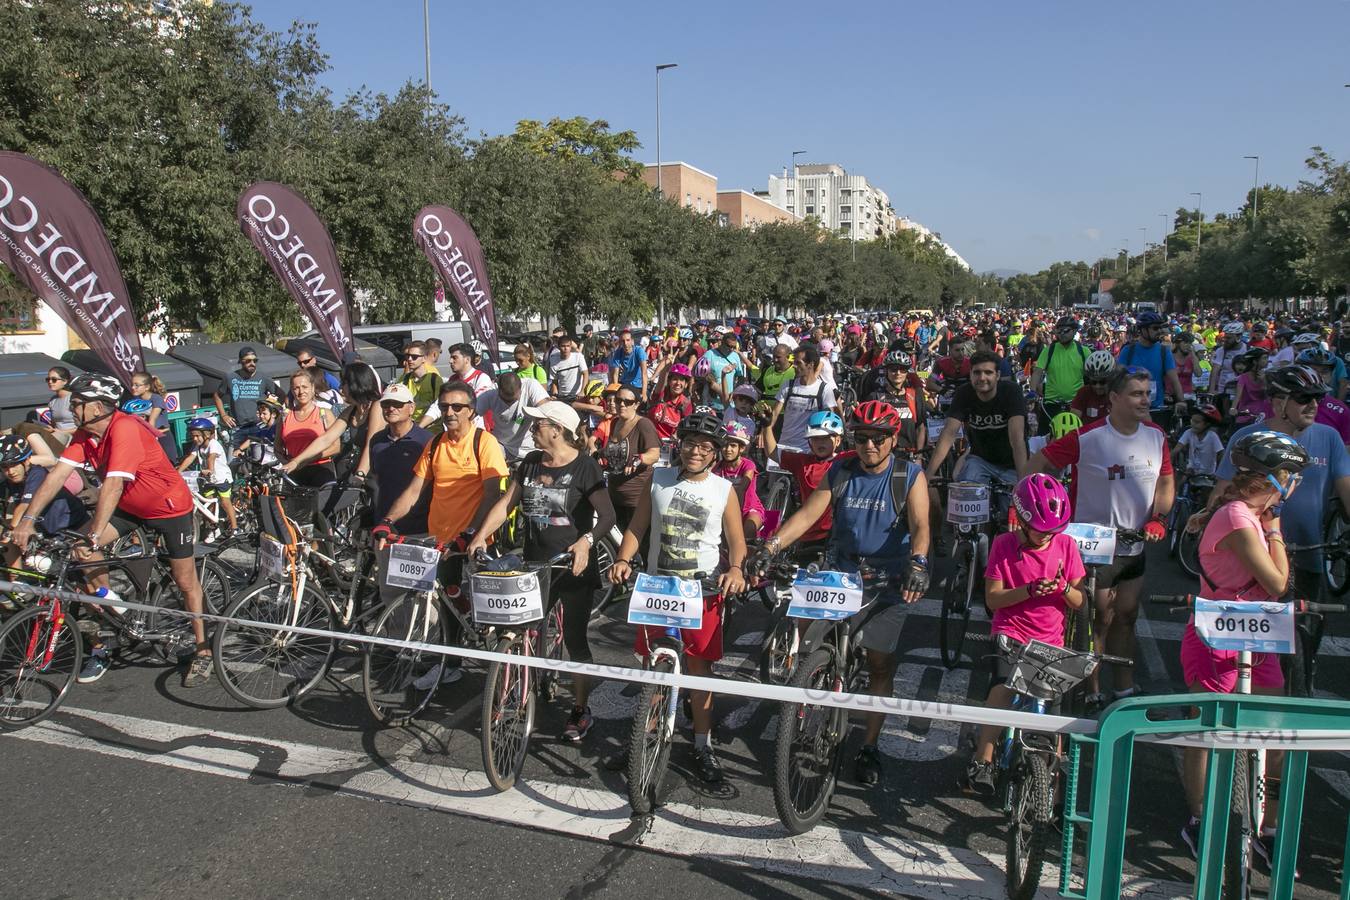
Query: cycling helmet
x,y
1245,362
1315,356
1065,323
201,423
593,388
1064,423
13,450
611,389
477,345
876,414
1041,503
103,388
271,400
1306,338
136,407
1235,328
686,333
1099,365
1294,379
702,367
702,425
854,329
824,424
1148,319
899,358
1284,334
740,433
1211,412
679,370
1267,452
746,390
704,409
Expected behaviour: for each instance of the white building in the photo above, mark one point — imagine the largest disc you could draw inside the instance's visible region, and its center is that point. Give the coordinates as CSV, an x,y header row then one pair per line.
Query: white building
x,y
845,204
907,224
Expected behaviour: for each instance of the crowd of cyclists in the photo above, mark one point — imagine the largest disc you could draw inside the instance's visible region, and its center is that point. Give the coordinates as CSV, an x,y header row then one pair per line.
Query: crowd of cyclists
x,y
719,450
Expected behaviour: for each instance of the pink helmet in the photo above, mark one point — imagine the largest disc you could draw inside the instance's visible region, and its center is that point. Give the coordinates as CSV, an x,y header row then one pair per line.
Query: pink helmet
x,y
826,346
702,367
739,431
679,370
855,328
1042,503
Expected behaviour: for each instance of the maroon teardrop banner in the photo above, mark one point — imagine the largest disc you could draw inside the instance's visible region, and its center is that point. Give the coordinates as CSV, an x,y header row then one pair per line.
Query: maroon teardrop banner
x,y
457,256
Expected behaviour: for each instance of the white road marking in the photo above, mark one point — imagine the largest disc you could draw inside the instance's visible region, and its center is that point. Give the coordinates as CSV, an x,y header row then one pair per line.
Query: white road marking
x,y
884,863
1146,630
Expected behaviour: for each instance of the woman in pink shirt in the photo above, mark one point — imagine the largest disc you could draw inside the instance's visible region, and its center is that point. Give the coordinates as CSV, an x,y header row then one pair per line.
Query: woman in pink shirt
x,y
1242,557
1034,576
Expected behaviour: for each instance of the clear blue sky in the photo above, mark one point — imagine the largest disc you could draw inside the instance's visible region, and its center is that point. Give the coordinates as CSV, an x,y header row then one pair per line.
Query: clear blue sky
x,y
1025,132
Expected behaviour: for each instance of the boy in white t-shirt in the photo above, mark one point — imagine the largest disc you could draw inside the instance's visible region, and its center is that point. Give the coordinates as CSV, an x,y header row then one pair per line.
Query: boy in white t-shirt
x,y
208,456
1200,445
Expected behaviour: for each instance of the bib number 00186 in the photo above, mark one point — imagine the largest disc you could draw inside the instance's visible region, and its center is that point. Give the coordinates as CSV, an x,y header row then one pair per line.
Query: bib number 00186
x,y
1245,625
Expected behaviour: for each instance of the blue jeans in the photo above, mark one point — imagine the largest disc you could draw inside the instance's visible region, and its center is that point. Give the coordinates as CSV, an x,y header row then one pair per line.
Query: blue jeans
x,y
976,469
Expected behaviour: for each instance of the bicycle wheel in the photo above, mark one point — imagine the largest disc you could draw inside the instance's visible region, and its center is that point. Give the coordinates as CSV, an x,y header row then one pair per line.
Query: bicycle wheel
x,y
1188,552
1030,823
807,747
778,654
605,554
549,645
955,616
508,716
1180,513
649,743
237,557
1336,562
398,682
1237,851
32,686
267,668
169,633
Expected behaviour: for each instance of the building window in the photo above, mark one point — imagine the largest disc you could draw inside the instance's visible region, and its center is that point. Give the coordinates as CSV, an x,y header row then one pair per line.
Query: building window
x,y
789,207
810,210
843,193
789,196
810,194
688,200
845,210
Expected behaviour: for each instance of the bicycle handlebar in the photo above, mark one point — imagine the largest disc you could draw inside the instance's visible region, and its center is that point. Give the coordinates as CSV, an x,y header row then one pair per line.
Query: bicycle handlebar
x,y
1301,607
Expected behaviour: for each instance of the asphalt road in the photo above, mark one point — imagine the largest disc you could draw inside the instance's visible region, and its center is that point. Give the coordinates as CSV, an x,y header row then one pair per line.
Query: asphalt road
x,y
140,788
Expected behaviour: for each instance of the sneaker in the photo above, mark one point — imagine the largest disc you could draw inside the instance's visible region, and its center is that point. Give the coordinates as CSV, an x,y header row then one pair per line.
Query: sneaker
x,y
980,778
438,674
198,673
1190,836
708,765
867,766
93,668
578,725
1263,847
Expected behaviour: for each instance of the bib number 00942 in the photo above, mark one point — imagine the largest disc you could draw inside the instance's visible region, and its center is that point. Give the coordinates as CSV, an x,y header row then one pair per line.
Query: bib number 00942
x,y
506,598
667,601
825,595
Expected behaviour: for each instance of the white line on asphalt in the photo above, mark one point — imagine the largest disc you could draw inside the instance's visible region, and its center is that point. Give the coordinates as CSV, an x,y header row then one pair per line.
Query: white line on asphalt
x,y
885,862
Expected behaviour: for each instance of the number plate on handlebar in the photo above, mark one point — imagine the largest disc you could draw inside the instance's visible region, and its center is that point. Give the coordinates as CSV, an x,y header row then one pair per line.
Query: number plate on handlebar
x,y
1245,625
825,595
412,567
272,558
1096,543
506,598
666,600
967,503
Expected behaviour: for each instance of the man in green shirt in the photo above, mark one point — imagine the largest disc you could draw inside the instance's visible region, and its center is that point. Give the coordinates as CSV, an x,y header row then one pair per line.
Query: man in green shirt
x,y
773,377
423,380
1058,373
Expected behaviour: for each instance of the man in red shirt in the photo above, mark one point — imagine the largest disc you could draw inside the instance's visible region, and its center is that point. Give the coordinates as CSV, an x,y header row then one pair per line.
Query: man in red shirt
x,y
141,489
824,433
1261,337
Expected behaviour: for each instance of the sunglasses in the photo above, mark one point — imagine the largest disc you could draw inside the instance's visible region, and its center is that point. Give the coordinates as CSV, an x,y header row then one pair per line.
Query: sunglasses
x,y
412,356
870,437
1304,399
623,402
305,362
51,378
392,404
249,359
457,407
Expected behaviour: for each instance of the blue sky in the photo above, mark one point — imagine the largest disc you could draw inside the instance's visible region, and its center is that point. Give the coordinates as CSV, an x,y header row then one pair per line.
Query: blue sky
x,y
1025,132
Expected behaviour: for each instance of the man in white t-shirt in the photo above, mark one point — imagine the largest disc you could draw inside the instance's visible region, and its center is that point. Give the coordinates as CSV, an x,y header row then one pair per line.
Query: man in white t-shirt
x,y
1122,478
502,409
800,397
569,371
778,335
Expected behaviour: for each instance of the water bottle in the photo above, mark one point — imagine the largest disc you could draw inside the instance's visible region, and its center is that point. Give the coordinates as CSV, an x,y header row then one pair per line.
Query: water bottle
x,y
112,597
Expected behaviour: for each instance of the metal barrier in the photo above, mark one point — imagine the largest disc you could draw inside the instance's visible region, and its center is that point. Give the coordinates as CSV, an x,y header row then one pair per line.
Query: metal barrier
x,y
1269,721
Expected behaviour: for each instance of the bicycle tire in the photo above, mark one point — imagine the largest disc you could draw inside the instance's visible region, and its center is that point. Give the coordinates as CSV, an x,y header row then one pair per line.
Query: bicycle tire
x,y
1030,824
170,636
807,746
1237,853
237,556
1336,564
1180,513
265,668
777,655
955,615
551,646
605,554
649,744
31,693
1188,552
508,716
389,675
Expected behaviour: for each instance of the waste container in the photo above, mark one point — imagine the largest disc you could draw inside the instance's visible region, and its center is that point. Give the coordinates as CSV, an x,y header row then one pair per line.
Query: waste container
x,y
23,384
216,361
384,363
182,383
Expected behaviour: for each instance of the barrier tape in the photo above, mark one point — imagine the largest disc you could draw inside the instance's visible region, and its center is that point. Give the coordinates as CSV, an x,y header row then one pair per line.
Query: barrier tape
x,y
866,703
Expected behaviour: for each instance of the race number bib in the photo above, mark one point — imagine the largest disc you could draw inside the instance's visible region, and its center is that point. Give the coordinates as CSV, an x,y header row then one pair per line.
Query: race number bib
x,y
1245,625
1096,543
272,558
411,567
968,503
506,598
825,595
935,429
667,450
666,600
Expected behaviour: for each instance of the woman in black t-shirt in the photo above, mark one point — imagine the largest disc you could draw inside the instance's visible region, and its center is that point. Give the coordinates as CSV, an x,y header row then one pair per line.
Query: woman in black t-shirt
x,y
564,507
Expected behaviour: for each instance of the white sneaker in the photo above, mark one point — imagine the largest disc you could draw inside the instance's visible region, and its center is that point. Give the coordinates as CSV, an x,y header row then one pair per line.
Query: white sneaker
x,y
438,674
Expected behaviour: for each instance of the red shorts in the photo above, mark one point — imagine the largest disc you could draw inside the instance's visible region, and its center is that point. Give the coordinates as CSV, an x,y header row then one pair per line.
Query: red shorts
x,y
1216,670
704,643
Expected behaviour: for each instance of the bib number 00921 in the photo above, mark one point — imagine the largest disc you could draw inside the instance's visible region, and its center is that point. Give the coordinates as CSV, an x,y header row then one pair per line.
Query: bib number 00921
x,y
667,601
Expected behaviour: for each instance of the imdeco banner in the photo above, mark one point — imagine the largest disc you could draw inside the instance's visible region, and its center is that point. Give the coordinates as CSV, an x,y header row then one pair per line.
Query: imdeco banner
x,y
454,251
52,239
295,243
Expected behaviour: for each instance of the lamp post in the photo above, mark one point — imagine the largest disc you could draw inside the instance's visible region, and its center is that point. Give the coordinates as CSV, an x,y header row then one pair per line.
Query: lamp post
x,y
1256,187
661,299
1126,241
426,45
1144,252
1200,213
1163,216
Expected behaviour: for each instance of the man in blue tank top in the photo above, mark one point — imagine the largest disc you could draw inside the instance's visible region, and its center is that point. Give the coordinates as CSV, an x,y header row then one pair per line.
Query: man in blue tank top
x,y
881,521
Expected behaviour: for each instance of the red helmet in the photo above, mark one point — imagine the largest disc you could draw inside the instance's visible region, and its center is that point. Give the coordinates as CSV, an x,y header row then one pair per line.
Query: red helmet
x,y
876,414
1211,412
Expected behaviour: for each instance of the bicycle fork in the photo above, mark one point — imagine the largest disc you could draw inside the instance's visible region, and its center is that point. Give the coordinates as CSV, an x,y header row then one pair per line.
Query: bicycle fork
x,y
58,619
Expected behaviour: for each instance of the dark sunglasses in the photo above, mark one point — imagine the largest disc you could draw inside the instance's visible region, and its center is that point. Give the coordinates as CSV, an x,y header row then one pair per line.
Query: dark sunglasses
x,y
623,402
249,359
412,356
1304,399
51,378
457,407
390,404
870,437
305,362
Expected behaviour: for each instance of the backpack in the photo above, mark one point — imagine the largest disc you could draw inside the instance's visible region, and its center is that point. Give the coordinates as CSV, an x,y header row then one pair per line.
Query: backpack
x,y
1082,352
477,444
901,482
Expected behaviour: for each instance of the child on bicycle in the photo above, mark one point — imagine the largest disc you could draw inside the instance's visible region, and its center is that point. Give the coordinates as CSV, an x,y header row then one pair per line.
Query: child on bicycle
x,y
208,456
1035,575
1201,445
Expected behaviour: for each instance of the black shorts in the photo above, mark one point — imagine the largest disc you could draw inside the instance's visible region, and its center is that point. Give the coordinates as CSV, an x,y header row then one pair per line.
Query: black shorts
x,y
176,533
1123,568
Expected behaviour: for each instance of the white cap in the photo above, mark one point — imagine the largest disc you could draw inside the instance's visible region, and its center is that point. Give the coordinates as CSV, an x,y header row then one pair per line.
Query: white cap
x,y
397,392
559,413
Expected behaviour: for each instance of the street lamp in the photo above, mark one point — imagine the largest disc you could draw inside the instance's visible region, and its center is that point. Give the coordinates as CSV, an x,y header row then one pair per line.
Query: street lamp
x,y
1256,187
661,299
1163,216
426,45
1200,213
1126,241
1144,253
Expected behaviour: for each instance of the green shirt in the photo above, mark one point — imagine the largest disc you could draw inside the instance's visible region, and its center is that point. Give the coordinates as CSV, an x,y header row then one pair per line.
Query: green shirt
x,y
536,372
770,380
1063,370
425,390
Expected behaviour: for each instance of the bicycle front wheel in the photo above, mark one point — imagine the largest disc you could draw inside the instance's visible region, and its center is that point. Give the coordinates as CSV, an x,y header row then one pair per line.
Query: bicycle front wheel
x,y
955,616
806,751
1237,855
1335,561
1188,552
1030,823
649,743
269,667
778,656
32,685
399,682
508,716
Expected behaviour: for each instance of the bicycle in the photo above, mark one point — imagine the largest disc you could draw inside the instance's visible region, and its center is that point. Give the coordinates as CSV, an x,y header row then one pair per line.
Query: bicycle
x,y
1336,552
1097,547
1184,546
1248,627
968,510
781,646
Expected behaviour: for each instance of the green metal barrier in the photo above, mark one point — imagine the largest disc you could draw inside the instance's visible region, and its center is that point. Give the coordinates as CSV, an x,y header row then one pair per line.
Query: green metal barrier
x,y
177,421
1127,720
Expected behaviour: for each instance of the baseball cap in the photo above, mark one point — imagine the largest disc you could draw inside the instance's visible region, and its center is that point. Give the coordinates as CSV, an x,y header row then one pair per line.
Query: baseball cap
x,y
397,392
246,351
557,412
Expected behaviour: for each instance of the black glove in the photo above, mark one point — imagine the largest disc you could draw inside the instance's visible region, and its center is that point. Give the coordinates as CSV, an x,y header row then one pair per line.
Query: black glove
x,y
917,580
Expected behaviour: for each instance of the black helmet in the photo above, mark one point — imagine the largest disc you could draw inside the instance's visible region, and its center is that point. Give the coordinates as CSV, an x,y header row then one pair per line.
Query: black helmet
x,y
1267,452
702,425
13,450
1286,380
1065,323
1245,362
103,388
1148,319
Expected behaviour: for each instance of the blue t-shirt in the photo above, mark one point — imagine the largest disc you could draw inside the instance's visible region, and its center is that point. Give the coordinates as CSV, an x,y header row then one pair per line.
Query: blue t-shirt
x,y
1157,359
867,526
65,510
1337,376
725,368
391,468
1301,518
629,366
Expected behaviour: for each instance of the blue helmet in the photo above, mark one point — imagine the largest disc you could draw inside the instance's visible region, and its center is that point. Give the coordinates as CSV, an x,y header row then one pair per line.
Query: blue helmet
x,y
136,406
824,424
1148,318
1315,356
201,423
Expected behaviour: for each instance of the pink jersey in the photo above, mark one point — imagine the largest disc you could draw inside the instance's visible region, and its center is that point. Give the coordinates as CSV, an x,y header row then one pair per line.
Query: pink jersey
x,y
1232,580
1015,565
1333,413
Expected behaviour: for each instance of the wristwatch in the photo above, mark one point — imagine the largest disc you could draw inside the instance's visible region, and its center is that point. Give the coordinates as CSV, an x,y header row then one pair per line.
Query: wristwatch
x,y
590,538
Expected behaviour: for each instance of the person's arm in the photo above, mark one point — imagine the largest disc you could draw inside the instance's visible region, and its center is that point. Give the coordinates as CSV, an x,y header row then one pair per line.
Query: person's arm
x,y
733,579
188,459
804,518
496,516
771,443
109,495
1215,366
1164,495
225,418
632,539
42,454
777,411
316,447
1174,382
1268,565
1237,399
154,416
944,446
642,371
374,425
1017,434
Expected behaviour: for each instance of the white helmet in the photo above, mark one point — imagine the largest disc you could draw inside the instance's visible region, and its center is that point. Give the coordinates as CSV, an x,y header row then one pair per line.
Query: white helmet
x,y
1099,364
1306,338
1234,328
